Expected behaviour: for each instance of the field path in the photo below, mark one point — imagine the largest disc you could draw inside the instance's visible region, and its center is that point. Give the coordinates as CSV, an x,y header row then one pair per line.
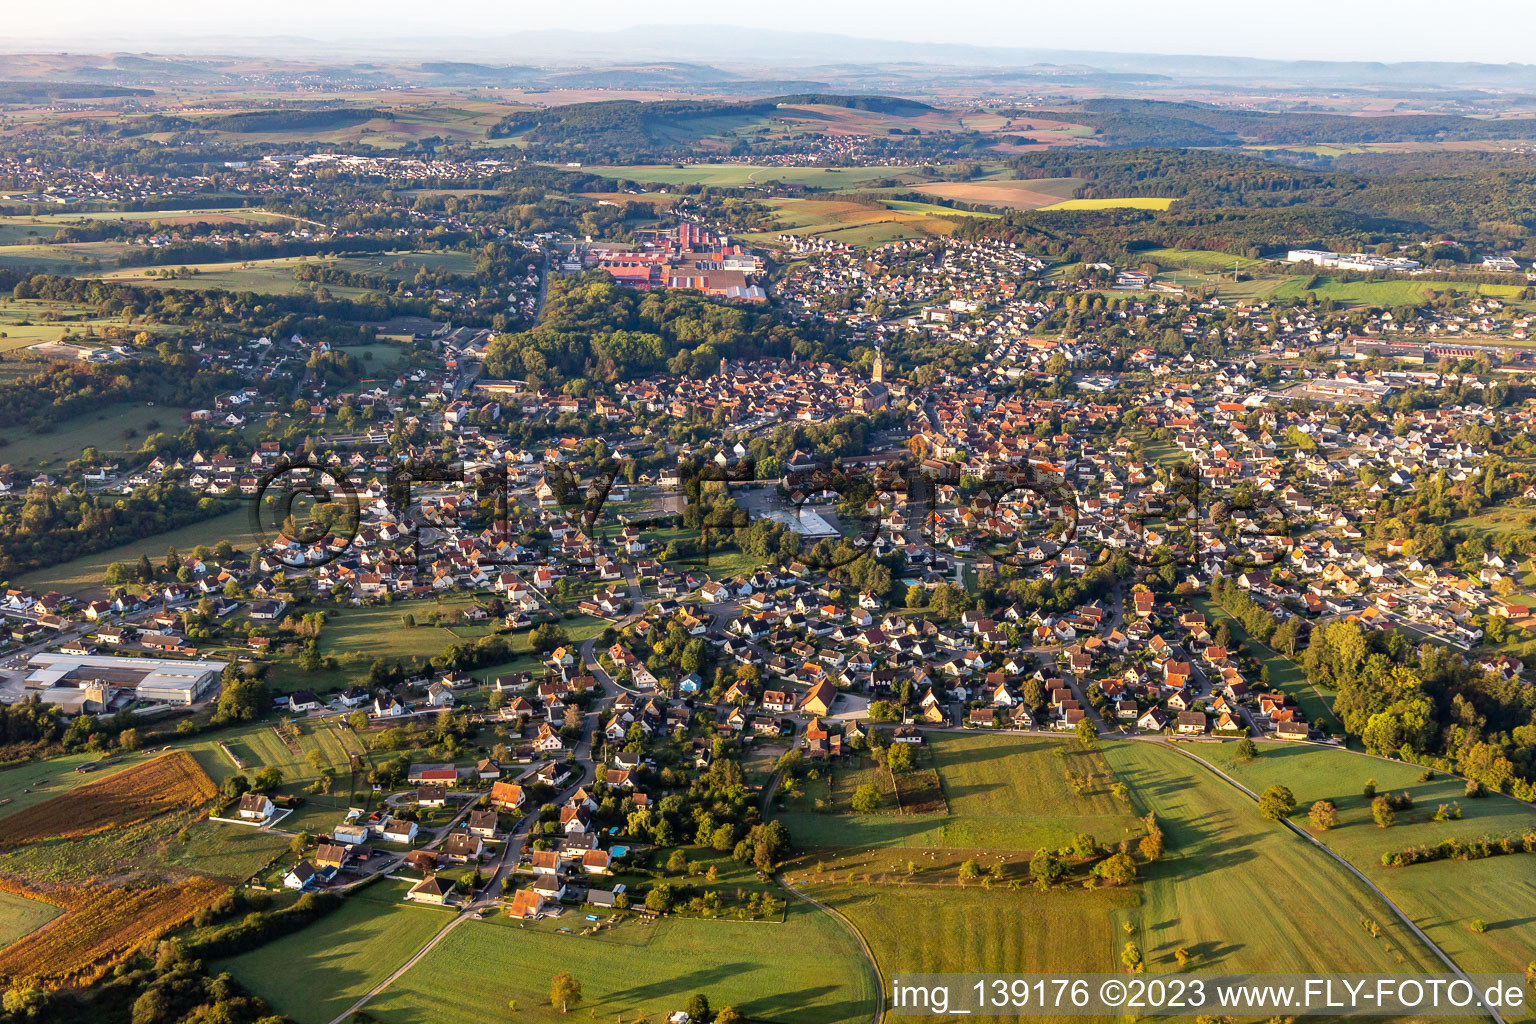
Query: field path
x,y
423,951
869,954
1428,942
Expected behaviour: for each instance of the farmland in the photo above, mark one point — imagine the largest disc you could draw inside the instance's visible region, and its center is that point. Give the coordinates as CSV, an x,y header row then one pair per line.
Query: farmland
x,y
315,974
32,782
807,968
1218,847
1004,793
1011,194
1443,897
168,783
101,926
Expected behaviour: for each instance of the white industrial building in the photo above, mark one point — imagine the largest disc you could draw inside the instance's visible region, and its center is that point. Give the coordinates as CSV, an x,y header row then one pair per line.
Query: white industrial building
x,y
95,682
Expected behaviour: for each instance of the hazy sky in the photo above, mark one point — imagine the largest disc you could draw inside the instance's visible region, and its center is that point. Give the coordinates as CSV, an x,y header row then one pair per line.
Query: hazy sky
x,y
1495,31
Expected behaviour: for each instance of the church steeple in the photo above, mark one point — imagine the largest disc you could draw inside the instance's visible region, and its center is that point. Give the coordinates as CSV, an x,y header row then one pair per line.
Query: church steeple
x,y
877,371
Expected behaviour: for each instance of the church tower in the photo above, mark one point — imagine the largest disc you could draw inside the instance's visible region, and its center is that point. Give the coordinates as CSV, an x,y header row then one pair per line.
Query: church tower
x,y
877,371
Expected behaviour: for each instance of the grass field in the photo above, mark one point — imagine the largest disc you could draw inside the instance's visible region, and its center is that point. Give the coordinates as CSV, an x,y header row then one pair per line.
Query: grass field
x,y
933,209
1195,259
273,277
1384,293
921,930
316,973
22,916
1004,793
856,223
806,969
1443,897
41,227
1242,893
111,431
64,258
735,175
227,853
86,572
1125,203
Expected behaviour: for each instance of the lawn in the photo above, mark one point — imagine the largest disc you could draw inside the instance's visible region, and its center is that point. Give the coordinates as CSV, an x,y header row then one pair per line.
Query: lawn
x,y
1245,894
314,974
86,572
1004,793
1126,203
20,916
1444,897
807,969
918,930
112,430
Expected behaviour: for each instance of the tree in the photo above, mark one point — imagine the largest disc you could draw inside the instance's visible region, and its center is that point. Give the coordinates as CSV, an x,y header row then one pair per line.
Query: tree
x,y
564,991
698,1008
1276,802
730,1015
1323,815
1046,867
900,759
1183,956
1247,750
1382,812
677,864
267,780
298,844
1087,734
917,595
866,799
969,870
1117,869
1131,957
659,899
129,739
1369,790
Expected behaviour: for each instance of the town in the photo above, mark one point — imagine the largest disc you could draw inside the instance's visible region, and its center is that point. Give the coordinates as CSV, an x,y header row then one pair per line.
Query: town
x,y
718,554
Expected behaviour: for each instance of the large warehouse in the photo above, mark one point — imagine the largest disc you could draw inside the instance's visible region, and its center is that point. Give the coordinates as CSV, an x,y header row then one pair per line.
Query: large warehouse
x,y
92,682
